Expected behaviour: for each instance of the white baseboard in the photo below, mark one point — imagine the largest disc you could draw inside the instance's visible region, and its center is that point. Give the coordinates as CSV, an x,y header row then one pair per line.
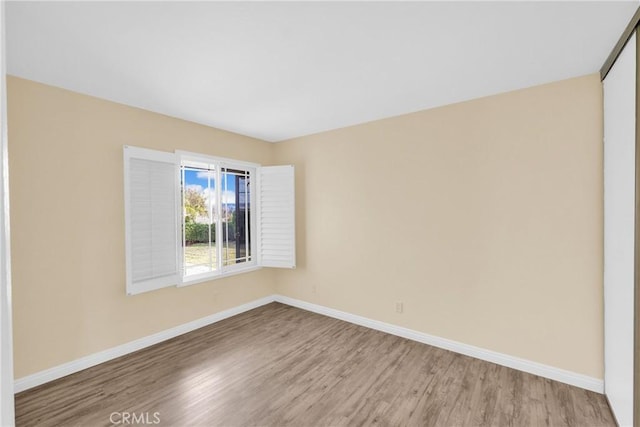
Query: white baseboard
x,y
77,365
546,371
561,375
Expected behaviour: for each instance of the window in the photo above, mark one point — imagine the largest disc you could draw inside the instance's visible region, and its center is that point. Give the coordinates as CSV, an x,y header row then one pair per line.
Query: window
x,y
191,218
217,225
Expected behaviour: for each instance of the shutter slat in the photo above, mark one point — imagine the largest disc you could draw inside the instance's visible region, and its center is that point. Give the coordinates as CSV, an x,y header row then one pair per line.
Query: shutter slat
x,y
277,217
151,219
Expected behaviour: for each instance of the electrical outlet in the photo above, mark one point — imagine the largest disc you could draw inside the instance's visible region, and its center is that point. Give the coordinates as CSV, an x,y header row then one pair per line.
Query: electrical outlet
x,y
399,307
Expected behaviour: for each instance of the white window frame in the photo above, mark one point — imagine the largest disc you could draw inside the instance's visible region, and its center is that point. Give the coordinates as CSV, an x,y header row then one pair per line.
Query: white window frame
x,y
222,271
272,226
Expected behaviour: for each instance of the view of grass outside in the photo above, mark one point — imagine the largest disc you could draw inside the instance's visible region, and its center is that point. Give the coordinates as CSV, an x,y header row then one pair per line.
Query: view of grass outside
x,y
197,255
201,192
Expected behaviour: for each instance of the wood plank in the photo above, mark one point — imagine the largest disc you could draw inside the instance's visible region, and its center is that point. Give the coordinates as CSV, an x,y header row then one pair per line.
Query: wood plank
x,y
282,366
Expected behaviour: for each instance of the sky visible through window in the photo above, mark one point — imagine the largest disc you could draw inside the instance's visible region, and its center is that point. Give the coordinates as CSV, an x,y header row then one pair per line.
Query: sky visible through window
x,y
198,180
201,214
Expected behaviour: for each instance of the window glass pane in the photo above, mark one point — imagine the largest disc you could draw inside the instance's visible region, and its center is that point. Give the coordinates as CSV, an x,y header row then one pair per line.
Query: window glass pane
x,y
199,218
236,211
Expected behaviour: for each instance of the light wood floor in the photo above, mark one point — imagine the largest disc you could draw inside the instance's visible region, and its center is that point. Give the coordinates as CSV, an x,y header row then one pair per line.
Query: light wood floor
x,y
278,365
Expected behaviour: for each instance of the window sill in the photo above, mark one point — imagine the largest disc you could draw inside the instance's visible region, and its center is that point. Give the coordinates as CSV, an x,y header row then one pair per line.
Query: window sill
x,y
215,276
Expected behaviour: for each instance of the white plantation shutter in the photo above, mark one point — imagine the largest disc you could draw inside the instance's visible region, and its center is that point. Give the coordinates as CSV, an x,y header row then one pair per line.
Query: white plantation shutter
x,y
276,219
151,219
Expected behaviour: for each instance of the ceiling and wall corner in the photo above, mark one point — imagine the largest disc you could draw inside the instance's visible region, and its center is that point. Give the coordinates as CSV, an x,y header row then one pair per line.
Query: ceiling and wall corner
x,y
278,70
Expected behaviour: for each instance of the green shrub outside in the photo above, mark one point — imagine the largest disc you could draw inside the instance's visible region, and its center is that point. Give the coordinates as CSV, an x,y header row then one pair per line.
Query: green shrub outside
x,y
199,233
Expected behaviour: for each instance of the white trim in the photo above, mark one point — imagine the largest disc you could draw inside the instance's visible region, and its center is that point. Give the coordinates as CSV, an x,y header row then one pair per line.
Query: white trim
x,y
221,161
77,365
7,412
620,198
207,277
546,371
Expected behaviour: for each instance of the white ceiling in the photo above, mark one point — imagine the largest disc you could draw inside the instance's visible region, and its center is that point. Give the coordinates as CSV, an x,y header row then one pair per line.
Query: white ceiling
x,y
284,69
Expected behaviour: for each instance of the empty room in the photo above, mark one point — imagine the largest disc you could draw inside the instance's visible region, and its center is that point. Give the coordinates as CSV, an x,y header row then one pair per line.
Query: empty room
x,y
320,213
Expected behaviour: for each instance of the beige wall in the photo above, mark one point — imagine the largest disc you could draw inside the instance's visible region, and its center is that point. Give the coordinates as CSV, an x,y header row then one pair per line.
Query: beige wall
x,y
67,225
485,218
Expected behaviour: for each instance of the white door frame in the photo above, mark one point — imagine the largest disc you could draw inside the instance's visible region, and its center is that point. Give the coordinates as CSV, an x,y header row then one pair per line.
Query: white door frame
x,y
619,225
7,411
